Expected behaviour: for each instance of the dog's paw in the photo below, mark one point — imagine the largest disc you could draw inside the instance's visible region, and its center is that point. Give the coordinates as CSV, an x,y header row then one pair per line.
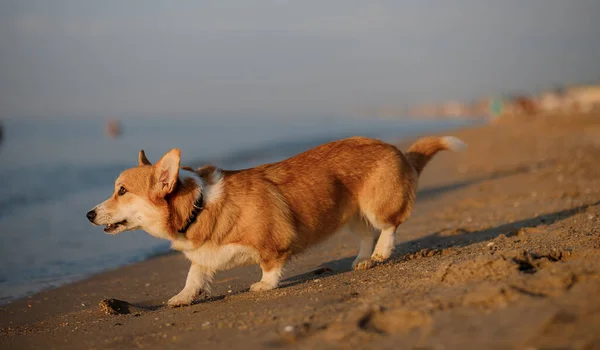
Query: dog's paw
x,y
261,286
378,258
181,299
363,264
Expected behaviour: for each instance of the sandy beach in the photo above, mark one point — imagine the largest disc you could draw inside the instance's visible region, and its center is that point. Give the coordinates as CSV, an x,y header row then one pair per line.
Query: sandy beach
x,y
502,251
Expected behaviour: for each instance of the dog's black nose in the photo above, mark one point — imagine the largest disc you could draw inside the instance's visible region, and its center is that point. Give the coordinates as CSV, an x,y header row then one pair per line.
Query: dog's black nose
x,y
91,215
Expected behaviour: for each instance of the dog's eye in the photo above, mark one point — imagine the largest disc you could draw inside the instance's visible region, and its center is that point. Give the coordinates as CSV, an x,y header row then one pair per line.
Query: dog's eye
x,y
122,191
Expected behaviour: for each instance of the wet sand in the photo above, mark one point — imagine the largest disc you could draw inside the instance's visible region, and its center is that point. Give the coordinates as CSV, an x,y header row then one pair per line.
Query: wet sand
x,y
502,251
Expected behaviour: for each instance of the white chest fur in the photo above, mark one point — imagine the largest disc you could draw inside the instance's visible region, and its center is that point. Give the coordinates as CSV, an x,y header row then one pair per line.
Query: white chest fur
x,y
222,257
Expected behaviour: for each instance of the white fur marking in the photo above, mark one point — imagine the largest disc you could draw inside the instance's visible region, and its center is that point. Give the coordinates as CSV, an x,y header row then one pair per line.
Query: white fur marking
x,y
212,192
138,212
269,280
272,277
206,260
365,251
215,191
385,245
149,219
198,280
184,174
223,257
454,143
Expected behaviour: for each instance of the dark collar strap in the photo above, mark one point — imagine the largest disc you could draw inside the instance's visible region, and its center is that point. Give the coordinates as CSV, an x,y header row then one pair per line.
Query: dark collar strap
x,y
198,206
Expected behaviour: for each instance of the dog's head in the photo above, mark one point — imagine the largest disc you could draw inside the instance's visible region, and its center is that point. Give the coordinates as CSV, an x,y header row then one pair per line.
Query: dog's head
x,y
138,200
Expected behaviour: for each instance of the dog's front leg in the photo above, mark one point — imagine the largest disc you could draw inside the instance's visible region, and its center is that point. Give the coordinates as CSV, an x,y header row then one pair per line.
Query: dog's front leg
x,y
271,272
198,280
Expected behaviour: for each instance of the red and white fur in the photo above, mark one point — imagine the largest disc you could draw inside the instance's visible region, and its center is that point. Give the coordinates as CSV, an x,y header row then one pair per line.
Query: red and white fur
x,y
266,214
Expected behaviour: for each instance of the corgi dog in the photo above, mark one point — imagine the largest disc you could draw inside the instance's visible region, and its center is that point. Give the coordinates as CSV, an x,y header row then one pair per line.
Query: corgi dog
x,y
263,215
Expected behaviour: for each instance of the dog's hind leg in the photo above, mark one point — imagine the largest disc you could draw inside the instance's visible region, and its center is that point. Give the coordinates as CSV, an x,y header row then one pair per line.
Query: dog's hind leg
x,y
385,244
367,241
363,259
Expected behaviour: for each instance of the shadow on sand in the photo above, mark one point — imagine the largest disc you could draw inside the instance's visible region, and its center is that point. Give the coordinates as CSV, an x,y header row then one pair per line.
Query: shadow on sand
x,y
436,241
432,241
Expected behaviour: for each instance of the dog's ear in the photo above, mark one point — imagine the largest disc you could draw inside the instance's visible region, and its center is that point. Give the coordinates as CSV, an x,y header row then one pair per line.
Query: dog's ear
x,y
166,172
142,160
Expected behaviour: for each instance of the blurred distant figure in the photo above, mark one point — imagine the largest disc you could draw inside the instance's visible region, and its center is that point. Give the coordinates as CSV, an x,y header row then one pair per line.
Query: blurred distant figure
x,y
113,128
526,105
1,133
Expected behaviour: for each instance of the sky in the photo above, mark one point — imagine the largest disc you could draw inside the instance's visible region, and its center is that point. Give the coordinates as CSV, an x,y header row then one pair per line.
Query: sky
x,y
281,59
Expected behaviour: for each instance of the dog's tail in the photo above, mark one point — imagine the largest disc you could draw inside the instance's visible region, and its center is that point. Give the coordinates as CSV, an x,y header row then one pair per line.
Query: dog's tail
x,y
425,148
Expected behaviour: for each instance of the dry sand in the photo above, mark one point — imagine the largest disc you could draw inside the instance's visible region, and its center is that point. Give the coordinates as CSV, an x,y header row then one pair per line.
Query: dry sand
x,y
502,251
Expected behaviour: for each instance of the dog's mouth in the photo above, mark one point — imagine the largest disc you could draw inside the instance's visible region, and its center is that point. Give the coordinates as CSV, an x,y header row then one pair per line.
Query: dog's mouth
x,y
112,228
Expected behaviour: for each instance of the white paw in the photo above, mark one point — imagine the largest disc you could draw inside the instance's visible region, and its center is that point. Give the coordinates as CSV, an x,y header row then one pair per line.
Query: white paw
x,y
182,299
260,286
379,258
362,264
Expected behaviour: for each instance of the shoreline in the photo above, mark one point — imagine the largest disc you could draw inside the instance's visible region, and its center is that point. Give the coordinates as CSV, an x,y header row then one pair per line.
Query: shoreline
x,y
13,291
505,233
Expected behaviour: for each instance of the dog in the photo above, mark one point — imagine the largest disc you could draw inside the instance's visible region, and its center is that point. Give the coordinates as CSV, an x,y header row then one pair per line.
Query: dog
x,y
264,215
